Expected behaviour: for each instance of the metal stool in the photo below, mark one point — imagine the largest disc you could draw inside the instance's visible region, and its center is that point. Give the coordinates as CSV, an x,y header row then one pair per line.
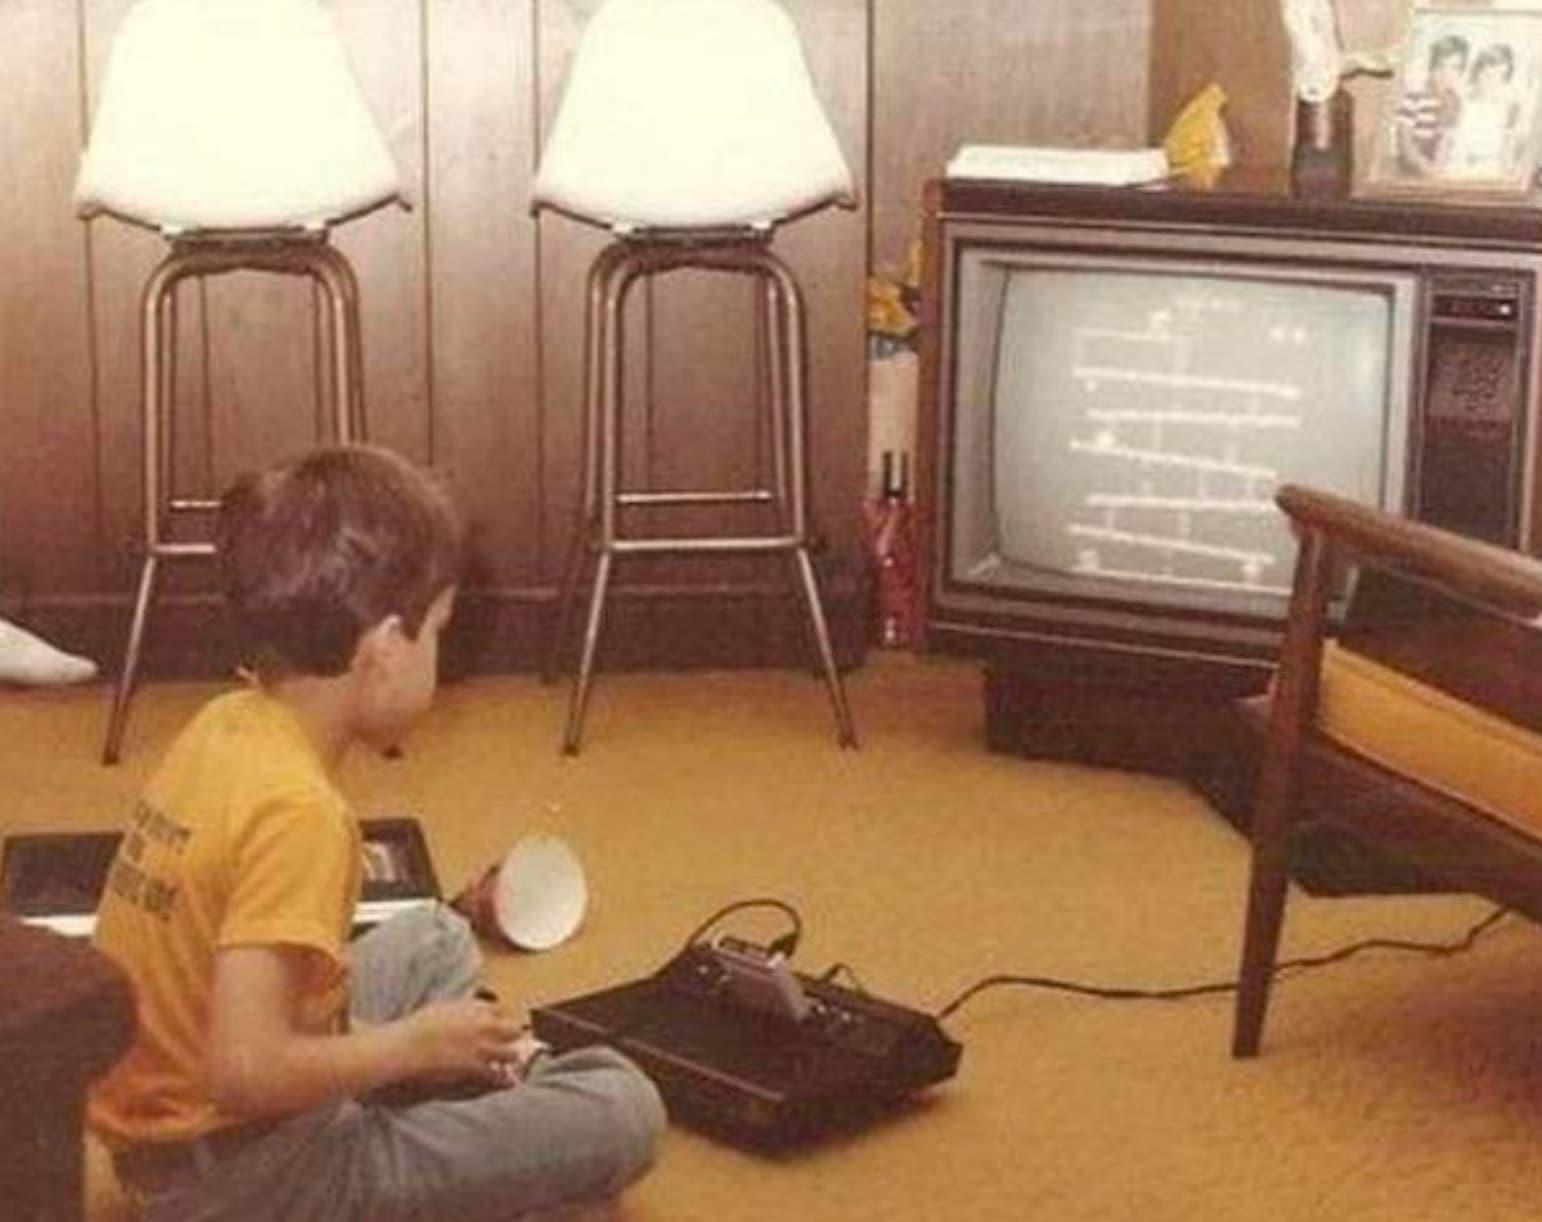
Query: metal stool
x,y
238,132
599,530
306,253
690,129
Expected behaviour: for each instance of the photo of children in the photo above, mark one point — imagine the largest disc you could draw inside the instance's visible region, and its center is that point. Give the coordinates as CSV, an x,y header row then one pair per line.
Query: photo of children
x,y
1465,112
1427,114
1483,142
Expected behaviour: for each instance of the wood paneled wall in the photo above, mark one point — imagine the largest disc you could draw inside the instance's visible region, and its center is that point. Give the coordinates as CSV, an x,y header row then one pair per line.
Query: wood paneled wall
x,y
996,72
472,306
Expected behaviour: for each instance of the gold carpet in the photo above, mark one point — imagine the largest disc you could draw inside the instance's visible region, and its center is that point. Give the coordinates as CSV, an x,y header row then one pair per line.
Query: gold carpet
x,y
1391,1086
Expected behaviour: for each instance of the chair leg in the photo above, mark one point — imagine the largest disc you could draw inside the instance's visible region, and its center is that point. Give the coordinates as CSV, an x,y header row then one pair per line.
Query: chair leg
x,y
1269,875
1293,706
1261,938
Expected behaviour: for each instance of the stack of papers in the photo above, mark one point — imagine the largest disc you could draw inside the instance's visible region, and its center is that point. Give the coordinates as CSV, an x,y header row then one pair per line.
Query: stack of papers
x,y
1043,163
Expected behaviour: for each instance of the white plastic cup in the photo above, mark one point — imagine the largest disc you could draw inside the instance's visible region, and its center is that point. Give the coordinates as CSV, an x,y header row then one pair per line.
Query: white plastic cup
x,y
533,899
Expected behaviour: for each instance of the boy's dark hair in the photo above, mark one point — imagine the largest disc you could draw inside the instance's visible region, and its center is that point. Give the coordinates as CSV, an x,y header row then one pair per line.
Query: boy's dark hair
x,y
315,552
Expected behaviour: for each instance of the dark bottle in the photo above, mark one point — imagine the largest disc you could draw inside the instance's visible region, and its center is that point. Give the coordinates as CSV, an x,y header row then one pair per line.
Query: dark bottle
x,y
891,534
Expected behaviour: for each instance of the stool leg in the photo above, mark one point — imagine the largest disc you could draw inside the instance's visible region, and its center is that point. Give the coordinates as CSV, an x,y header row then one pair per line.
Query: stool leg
x,y
582,531
778,360
776,367
604,453
845,729
166,391
332,271
124,689
777,363
795,411
579,543
578,702
158,322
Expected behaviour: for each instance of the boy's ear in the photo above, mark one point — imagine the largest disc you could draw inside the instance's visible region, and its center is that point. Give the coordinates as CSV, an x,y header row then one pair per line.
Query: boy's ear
x,y
378,644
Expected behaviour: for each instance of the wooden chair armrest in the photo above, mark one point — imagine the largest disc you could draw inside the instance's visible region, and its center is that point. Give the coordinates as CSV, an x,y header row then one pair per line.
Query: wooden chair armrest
x,y
1506,580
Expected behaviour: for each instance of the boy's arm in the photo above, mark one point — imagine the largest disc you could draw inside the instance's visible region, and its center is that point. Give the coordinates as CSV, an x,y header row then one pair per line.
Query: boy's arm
x,y
261,1063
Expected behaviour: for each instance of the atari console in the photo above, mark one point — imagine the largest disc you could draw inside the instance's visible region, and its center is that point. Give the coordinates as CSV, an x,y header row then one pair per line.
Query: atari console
x,y
744,1048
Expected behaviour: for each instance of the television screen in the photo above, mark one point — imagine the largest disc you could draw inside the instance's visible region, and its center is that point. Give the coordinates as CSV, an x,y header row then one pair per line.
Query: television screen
x,y
1122,425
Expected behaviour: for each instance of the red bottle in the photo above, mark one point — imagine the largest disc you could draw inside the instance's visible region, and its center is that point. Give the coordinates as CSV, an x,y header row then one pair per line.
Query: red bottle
x,y
892,545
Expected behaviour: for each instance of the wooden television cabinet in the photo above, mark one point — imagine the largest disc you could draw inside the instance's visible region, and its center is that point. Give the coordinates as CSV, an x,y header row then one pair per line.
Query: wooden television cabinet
x,y
1143,672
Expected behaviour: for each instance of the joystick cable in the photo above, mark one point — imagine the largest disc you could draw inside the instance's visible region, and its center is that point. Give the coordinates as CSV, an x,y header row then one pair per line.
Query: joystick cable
x,y
1283,967
785,944
788,942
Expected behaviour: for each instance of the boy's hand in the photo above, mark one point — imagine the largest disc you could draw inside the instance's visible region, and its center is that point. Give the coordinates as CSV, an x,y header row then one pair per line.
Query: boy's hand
x,y
465,1038
262,1063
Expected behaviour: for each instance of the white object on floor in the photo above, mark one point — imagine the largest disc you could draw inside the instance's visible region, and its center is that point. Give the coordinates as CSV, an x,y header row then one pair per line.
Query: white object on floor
x,y
28,659
541,893
1041,163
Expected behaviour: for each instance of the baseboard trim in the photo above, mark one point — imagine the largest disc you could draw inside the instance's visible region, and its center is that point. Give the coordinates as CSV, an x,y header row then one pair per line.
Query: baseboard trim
x,y
496,631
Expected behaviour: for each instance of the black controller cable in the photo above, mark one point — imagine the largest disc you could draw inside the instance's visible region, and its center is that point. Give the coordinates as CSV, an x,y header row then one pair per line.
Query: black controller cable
x,y
836,970
1283,967
784,945
788,942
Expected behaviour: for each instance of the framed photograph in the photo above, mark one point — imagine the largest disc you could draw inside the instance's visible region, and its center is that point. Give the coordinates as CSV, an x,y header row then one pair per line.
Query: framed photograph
x,y
1462,117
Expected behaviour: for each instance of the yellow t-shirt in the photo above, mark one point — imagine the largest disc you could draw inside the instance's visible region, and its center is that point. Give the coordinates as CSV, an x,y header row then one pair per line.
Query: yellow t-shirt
x,y
240,839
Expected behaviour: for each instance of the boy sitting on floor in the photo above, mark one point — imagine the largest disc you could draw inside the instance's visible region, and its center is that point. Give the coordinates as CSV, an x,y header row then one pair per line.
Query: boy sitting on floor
x,y
253,1088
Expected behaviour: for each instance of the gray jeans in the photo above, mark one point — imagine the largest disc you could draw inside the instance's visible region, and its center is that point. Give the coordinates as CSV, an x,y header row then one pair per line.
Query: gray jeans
x,y
579,1128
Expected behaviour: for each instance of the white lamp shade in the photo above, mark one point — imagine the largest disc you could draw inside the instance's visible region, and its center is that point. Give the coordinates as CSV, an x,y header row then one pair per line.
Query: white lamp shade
x,y
690,114
232,114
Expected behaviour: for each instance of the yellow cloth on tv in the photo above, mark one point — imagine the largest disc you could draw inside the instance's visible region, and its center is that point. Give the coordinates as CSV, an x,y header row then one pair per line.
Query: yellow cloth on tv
x,y
1447,744
240,839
